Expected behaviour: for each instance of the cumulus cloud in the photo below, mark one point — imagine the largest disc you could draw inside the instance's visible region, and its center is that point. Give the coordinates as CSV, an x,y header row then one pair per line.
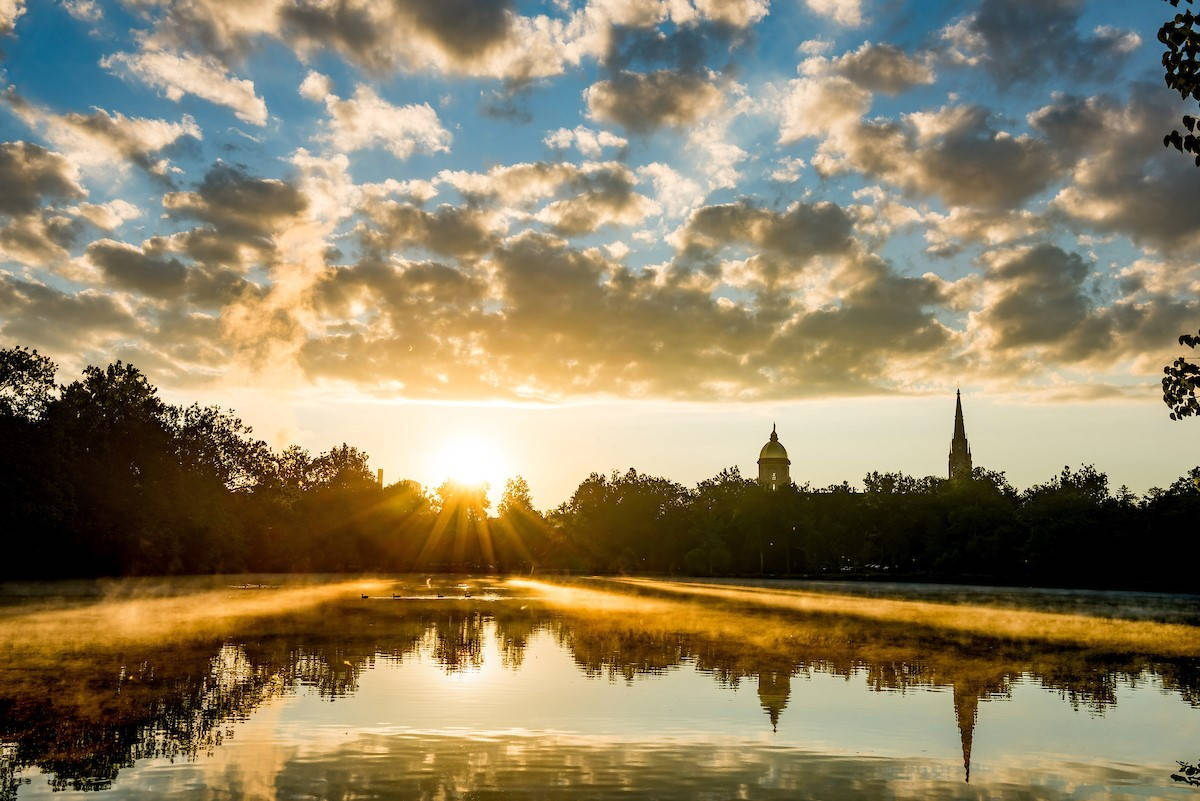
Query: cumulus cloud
x,y
241,213
179,74
10,10
64,321
29,173
367,120
1026,41
954,153
1122,180
676,193
582,198
1037,296
31,232
883,68
843,12
599,195
100,137
132,268
107,216
813,107
788,169
85,10
643,102
548,320
785,241
448,230
589,142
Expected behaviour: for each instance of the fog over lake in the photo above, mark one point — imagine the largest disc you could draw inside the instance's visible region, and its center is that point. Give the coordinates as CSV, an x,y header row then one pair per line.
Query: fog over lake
x,y
441,688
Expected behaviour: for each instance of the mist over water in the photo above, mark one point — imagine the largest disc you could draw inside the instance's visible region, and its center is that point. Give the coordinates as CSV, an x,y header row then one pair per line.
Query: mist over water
x,y
261,687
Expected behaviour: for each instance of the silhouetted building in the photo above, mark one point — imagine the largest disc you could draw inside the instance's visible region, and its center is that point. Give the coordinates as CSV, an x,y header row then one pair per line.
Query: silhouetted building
x,y
773,463
960,449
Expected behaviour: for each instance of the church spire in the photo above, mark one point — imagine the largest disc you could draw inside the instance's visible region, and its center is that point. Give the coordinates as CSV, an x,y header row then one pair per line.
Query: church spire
x,y
960,431
960,449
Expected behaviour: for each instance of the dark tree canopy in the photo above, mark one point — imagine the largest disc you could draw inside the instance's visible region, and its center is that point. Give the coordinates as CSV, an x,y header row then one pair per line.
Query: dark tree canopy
x,y
102,477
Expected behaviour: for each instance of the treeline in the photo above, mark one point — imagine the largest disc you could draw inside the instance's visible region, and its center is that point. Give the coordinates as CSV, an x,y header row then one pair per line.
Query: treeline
x,y
101,477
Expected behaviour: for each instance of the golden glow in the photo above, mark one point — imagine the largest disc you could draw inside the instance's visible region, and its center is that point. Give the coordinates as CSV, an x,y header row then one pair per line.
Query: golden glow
x,y
472,459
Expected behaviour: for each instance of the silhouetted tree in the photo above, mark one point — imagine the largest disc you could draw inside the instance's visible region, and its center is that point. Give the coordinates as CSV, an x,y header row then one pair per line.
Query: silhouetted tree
x,y
26,383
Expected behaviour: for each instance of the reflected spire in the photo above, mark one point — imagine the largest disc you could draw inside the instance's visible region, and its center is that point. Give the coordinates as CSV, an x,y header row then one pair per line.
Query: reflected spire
x,y
966,711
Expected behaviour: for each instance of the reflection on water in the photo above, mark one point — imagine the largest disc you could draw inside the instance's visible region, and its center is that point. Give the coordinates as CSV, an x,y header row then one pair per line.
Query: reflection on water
x,y
594,689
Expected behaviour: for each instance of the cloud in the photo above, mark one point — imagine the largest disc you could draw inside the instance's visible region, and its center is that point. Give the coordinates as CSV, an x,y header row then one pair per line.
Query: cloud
x,y
675,193
1045,304
587,141
643,102
107,216
241,212
96,139
954,153
549,320
85,10
10,10
1028,41
132,268
37,240
68,322
367,120
601,194
813,107
30,173
1037,297
32,176
800,232
582,198
787,170
843,12
1122,180
883,68
449,230
181,74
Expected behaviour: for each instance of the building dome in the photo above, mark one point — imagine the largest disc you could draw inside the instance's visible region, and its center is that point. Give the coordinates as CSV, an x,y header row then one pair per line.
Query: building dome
x,y
774,448
773,464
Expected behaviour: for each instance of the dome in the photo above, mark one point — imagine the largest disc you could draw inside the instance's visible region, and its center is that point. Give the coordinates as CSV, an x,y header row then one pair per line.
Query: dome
x,y
773,449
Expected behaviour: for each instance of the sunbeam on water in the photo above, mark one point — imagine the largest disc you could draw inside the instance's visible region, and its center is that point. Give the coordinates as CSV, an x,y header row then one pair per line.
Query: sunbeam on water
x,y
585,689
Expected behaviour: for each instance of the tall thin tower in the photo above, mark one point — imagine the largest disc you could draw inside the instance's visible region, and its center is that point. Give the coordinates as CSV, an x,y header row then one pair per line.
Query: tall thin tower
x,y
960,449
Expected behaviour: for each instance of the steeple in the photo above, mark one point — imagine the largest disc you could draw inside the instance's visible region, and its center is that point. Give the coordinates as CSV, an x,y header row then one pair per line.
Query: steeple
x,y
960,449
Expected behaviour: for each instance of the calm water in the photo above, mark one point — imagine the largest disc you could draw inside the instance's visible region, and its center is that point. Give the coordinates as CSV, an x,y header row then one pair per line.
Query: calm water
x,y
202,689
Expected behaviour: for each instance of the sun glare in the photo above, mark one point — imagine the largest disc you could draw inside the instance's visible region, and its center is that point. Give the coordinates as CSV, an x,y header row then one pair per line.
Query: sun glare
x,y
472,459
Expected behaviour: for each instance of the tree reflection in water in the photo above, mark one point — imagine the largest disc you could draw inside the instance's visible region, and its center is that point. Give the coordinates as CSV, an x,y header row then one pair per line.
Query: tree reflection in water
x,y
83,711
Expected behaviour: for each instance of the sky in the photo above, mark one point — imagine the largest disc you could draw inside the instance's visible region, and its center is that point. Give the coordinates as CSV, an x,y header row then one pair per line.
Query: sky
x,y
484,238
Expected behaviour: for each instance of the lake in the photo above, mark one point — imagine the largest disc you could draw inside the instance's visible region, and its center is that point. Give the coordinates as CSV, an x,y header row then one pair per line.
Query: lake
x,y
451,688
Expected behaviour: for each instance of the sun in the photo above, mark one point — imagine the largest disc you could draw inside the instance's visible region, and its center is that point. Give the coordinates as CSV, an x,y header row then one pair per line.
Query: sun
x,y
471,459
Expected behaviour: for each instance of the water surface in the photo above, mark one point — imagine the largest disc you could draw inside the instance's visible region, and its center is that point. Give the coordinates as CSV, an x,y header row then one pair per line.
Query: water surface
x,y
226,688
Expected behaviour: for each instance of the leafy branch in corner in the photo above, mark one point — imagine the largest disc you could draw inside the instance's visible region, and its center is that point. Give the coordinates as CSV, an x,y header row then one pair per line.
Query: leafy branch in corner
x,y
1181,39
1181,381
